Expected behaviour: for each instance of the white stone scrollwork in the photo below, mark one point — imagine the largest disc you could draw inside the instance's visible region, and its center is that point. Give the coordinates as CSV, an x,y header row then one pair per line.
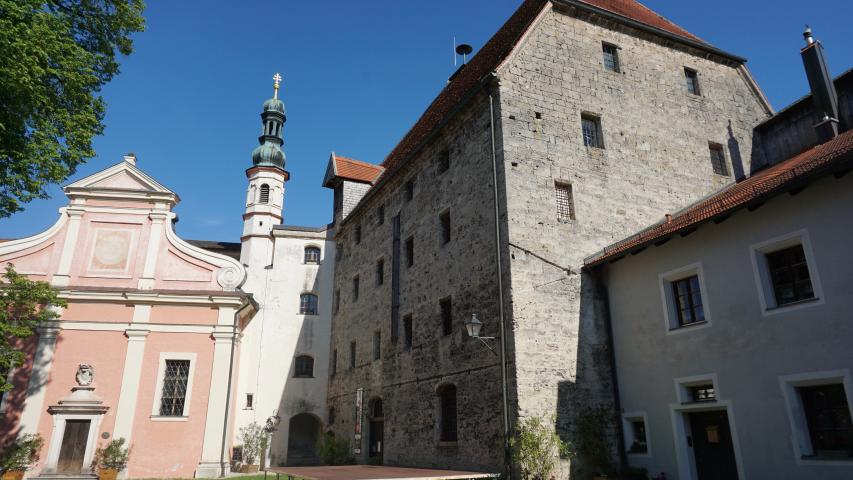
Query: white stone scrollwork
x,y
229,278
85,375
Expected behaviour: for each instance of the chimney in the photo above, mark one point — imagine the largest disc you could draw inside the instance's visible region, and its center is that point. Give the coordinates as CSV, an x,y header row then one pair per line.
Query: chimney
x,y
824,98
130,158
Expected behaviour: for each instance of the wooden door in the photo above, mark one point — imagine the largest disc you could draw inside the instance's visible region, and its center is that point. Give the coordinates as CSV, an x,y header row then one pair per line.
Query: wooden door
x,y
712,446
73,446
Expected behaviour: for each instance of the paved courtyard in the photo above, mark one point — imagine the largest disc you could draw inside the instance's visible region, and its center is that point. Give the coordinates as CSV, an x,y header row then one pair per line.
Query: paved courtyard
x,y
372,472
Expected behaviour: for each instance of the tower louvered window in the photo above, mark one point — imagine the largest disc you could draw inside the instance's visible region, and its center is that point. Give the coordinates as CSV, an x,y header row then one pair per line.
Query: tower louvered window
x,y
174,393
265,194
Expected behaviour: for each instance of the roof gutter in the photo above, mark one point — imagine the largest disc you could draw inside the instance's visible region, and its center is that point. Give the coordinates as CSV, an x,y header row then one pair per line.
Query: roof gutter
x,y
650,29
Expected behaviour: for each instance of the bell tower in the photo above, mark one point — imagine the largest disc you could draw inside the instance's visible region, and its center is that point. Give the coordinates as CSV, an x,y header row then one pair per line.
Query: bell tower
x,y
265,195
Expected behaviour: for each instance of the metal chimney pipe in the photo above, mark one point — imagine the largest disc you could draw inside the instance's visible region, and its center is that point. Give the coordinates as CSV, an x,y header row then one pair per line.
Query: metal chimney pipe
x,y
824,97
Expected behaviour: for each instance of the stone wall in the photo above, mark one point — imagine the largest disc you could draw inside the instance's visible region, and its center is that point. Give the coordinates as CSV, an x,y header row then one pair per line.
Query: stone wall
x,y
656,160
463,269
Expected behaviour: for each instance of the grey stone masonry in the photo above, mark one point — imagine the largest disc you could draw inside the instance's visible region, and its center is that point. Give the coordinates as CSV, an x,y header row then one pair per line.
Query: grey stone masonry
x,y
655,159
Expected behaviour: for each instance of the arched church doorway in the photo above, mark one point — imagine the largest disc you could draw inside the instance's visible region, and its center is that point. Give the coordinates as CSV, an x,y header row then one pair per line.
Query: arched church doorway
x,y
376,433
302,437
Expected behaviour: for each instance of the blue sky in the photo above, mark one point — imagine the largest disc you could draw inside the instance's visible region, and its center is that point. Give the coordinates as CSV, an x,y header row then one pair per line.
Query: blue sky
x,y
356,77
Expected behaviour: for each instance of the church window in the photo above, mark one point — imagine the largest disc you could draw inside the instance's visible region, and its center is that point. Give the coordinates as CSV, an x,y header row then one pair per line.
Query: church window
x,y
174,394
312,255
308,304
611,57
718,159
447,413
265,194
565,202
591,129
304,367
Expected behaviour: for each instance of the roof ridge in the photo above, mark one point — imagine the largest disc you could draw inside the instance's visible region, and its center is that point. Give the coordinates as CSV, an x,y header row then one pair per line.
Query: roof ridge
x,y
360,162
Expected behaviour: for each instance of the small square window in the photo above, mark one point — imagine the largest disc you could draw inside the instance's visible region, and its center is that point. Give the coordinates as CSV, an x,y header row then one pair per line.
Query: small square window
x,y
358,234
409,190
380,215
250,400
635,435
591,129
611,57
565,202
702,393
352,355
692,79
377,345
355,285
718,159
688,300
442,164
789,274
407,331
410,251
380,271
444,220
446,316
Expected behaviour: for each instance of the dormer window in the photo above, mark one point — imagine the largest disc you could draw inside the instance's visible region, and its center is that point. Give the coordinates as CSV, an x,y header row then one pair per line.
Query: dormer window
x,y
265,194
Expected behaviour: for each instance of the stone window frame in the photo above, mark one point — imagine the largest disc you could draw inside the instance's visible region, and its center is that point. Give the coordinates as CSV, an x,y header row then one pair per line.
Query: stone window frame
x,y
670,316
445,229
761,272
307,311
312,248
691,81
353,354
409,189
565,208
628,420
357,234
250,401
597,141
380,271
161,377
617,64
409,244
296,369
800,436
356,287
377,345
380,214
720,166
442,162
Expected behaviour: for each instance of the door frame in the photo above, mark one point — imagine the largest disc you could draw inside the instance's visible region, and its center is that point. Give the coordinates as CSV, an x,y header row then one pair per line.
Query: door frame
x,y
59,422
681,429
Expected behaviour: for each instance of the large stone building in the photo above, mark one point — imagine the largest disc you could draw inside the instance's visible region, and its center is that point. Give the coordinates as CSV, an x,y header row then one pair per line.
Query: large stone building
x,y
576,124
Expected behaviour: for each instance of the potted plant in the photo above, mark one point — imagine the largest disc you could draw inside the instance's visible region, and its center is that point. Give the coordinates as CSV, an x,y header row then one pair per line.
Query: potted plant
x,y
21,455
111,459
254,441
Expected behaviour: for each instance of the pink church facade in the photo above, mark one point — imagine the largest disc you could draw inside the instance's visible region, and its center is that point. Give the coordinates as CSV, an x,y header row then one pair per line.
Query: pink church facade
x,y
148,345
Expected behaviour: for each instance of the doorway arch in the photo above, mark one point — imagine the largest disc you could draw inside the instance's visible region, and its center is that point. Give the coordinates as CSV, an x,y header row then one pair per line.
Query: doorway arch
x,y
376,432
302,435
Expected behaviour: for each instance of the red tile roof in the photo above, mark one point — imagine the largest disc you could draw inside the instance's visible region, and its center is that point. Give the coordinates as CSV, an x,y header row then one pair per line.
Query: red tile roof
x,y
356,170
496,50
638,12
785,176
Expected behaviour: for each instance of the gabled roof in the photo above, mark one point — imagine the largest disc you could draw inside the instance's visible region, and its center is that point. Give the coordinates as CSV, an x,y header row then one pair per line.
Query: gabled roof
x,y
122,180
492,54
350,169
789,175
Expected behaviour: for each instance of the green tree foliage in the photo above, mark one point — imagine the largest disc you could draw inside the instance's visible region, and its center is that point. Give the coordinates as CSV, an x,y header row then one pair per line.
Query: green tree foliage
x,y
254,442
113,456
23,305
55,55
536,448
334,451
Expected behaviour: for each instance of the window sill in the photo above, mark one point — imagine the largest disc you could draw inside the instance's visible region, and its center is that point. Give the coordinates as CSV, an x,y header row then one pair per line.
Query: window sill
x,y
303,376
689,327
805,301
448,444
161,418
826,461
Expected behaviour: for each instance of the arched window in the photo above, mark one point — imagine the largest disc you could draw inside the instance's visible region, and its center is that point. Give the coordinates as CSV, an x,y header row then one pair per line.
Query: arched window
x,y
447,413
304,367
312,255
375,408
308,304
265,193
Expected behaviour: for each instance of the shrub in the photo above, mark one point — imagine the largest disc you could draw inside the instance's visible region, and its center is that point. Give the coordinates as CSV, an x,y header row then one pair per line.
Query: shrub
x,y
254,442
536,448
334,451
594,446
114,456
23,453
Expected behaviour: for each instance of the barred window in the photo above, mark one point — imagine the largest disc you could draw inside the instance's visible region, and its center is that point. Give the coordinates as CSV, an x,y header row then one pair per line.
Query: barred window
x,y
174,388
308,304
703,393
718,159
304,367
591,129
265,193
611,57
312,255
692,79
565,202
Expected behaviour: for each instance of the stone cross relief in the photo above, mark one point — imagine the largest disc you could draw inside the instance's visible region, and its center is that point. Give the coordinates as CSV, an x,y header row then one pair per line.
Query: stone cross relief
x,y
85,375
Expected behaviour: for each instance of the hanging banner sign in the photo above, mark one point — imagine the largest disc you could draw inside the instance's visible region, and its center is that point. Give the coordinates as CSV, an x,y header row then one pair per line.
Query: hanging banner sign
x,y
359,414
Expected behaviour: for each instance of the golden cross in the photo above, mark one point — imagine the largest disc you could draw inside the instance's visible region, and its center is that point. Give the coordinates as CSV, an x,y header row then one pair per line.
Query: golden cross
x,y
277,79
